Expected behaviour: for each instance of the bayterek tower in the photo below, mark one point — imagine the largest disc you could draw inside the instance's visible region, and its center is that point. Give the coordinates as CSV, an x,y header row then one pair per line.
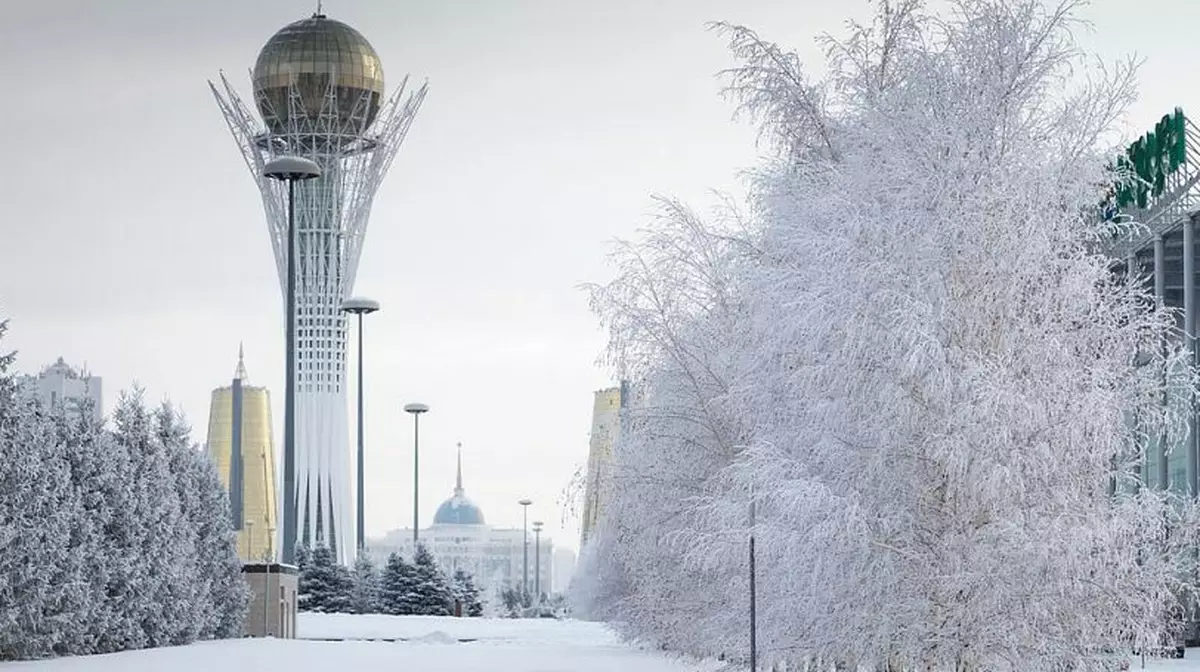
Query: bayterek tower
x,y
319,89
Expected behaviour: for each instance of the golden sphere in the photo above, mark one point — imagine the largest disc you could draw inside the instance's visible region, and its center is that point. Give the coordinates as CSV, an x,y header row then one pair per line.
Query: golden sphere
x,y
314,53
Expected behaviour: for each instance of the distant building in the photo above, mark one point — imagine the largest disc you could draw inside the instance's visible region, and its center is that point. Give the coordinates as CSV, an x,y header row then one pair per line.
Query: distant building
x,y
61,386
606,426
460,538
241,446
564,569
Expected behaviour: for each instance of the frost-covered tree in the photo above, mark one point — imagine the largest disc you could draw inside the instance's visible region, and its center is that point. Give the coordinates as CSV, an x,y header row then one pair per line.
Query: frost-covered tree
x,y
397,591
365,599
36,584
466,593
165,544
917,362
79,570
221,594
675,318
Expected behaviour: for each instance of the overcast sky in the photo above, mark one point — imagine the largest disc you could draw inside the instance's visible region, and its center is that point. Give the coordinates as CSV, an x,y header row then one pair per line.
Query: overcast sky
x,y
134,239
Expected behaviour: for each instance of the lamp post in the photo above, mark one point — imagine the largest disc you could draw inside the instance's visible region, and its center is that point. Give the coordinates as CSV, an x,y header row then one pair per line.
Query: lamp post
x,y
416,409
267,601
525,546
360,306
249,525
753,596
537,561
290,169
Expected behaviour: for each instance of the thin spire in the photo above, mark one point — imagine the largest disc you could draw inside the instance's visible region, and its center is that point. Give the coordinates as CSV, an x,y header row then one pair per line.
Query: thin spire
x,y
458,489
240,373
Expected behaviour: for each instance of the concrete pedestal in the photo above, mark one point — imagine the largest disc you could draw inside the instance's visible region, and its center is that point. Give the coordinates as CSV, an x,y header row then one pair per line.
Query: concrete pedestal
x,y
273,600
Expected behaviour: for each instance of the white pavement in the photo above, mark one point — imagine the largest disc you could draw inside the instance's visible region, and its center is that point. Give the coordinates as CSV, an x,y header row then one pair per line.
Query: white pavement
x,y
427,644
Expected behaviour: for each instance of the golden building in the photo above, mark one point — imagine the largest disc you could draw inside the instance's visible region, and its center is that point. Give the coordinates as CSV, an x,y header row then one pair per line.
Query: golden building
x,y
239,423
606,425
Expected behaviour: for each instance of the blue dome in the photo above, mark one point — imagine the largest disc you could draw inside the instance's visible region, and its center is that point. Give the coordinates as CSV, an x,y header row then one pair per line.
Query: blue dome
x,y
458,510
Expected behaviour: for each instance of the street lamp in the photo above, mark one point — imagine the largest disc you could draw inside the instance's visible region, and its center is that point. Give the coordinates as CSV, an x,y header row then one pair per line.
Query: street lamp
x,y
753,595
525,545
537,561
360,306
267,599
416,409
290,169
249,525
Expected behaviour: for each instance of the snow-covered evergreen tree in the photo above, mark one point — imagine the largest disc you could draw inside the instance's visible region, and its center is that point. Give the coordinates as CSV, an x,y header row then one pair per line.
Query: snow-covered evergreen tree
x,y
325,585
166,545
397,590
466,593
432,592
109,540
366,598
222,596
37,599
303,553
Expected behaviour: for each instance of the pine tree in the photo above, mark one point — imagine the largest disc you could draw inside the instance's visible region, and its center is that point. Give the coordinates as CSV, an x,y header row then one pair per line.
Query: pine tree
x,y
325,585
466,593
221,595
301,558
109,540
510,599
433,595
216,542
366,599
397,587
164,546
189,610
34,532
84,446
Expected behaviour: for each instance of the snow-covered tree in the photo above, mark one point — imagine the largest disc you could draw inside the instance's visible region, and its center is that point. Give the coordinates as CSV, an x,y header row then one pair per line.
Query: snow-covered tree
x,y
79,570
915,359
466,593
35,525
325,585
432,591
222,595
674,315
365,599
165,545
397,590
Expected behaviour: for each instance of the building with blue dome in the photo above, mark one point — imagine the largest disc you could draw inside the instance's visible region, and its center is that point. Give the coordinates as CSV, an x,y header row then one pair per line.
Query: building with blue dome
x,y
458,510
460,538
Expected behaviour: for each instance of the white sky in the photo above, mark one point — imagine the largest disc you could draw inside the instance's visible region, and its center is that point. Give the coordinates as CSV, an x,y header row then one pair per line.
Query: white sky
x,y
134,239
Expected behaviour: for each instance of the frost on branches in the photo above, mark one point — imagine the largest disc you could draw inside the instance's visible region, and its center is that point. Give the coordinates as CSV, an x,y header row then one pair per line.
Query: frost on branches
x,y
109,540
916,361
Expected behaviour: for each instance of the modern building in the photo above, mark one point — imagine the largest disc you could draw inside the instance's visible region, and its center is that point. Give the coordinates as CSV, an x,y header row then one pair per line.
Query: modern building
x,y
318,87
1161,251
61,386
606,426
241,447
460,538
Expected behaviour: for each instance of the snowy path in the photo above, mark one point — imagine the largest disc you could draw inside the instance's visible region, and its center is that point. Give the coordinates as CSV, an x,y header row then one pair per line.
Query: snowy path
x,y
428,644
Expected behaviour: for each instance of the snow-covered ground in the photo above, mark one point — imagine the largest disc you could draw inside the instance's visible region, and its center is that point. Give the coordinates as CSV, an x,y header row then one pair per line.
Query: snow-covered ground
x,y
426,643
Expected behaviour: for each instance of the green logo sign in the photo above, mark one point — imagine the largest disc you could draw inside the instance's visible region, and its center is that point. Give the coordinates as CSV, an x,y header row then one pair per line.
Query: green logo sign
x,y
1150,159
